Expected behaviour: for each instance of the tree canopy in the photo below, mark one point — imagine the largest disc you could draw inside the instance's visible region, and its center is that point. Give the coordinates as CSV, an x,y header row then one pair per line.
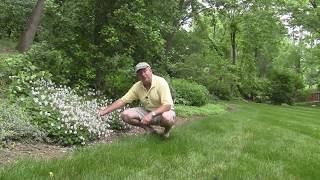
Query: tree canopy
x,y
230,46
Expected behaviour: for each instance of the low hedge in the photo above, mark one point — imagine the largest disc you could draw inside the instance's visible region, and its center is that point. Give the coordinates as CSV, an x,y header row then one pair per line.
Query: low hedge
x,y
189,93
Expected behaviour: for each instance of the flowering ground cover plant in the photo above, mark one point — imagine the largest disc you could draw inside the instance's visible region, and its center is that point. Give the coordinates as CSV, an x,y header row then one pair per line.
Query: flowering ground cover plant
x,y
68,117
63,114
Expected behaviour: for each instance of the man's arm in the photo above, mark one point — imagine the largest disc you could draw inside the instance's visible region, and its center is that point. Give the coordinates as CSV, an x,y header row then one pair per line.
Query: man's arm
x,y
163,108
116,105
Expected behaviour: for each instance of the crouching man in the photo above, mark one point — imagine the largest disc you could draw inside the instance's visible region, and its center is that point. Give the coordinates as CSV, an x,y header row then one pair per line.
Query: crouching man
x,y
155,96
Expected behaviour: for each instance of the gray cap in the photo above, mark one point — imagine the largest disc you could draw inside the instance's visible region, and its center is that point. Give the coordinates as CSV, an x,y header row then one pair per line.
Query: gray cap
x,y
141,65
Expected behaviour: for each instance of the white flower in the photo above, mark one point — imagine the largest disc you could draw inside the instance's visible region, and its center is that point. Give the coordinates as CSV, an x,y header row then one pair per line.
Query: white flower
x,y
35,100
75,112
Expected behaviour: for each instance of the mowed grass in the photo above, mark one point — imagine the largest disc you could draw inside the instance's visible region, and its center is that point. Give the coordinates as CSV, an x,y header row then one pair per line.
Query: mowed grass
x,y
254,141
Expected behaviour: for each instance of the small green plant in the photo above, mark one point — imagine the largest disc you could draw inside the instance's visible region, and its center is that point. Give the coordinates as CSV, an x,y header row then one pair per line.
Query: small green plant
x,y
189,93
15,124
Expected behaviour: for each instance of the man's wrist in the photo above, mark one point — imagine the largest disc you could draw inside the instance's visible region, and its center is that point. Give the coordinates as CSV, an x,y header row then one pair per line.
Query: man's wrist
x,y
104,112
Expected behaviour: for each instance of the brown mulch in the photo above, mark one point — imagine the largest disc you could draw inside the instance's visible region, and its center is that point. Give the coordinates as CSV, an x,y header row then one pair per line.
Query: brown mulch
x,y
18,150
6,50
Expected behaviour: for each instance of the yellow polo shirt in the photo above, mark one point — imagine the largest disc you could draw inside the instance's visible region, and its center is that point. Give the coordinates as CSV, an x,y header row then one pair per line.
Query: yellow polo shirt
x,y
158,94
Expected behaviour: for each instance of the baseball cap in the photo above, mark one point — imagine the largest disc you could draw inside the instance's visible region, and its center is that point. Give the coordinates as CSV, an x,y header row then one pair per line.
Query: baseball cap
x,y
141,65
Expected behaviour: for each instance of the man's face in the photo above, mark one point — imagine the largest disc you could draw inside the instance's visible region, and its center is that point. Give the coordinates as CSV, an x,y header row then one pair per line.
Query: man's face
x,y
145,75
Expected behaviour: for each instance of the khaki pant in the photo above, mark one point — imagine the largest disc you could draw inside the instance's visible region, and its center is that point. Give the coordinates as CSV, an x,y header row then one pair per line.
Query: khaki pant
x,y
165,119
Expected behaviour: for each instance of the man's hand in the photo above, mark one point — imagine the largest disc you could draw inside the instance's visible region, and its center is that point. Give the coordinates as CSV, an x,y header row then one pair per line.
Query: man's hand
x,y
146,119
102,112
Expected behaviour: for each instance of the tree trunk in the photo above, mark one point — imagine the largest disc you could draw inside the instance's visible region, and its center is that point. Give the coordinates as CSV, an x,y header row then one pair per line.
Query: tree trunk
x,y
103,9
99,20
261,63
233,47
176,24
313,3
169,42
30,32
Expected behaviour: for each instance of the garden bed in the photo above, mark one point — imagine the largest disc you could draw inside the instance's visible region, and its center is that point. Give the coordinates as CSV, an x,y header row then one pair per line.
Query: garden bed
x,y
15,151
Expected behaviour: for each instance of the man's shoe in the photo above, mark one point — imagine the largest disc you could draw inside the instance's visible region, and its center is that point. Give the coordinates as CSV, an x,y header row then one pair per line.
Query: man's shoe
x,y
149,129
166,132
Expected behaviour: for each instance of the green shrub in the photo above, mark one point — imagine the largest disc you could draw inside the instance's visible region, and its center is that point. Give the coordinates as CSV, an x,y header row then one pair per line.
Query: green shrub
x,y
15,124
210,70
13,17
189,93
46,58
221,90
107,74
284,86
303,95
10,65
258,90
263,90
16,75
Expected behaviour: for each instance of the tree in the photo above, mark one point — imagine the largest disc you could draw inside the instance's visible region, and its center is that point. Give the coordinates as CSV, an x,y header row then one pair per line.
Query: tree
x,y
260,38
305,14
230,13
12,17
31,28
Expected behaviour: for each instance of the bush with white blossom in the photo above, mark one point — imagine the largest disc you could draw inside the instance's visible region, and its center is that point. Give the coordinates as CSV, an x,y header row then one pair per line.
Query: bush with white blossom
x,y
58,111
70,118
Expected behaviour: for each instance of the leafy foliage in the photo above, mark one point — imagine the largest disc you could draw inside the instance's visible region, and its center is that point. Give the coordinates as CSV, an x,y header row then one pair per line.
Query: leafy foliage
x,y
15,124
284,86
117,35
67,117
13,15
46,58
60,112
189,93
210,70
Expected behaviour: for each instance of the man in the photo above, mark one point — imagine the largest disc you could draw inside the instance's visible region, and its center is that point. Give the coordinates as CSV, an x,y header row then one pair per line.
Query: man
x,y
154,94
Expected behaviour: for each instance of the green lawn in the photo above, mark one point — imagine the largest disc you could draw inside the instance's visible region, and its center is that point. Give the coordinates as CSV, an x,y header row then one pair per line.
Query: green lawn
x,y
254,141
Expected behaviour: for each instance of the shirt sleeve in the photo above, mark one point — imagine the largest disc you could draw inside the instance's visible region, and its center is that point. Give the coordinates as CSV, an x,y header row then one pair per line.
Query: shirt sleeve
x,y
131,95
165,94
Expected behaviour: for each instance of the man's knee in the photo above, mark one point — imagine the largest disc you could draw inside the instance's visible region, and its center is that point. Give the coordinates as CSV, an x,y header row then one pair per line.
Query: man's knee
x,y
168,117
125,115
